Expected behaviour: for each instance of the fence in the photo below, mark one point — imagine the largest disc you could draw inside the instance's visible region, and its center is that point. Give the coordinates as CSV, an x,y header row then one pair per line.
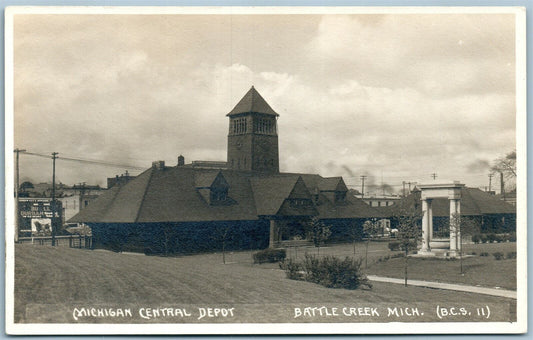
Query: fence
x,y
72,241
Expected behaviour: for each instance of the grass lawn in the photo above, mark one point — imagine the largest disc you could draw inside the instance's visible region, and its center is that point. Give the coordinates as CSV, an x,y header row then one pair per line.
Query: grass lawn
x,y
478,270
50,282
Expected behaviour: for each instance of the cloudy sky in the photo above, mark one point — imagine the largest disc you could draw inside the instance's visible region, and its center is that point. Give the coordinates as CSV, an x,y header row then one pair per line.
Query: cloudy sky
x,y
395,97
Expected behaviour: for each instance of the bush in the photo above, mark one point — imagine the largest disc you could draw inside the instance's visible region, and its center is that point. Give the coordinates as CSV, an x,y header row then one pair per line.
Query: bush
x,y
484,254
270,255
329,271
476,238
511,255
500,238
411,245
498,255
394,245
512,237
292,269
397,245
491,238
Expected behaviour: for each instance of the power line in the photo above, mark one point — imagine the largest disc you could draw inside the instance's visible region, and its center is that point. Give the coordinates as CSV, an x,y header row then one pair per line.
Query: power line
x,y
86,161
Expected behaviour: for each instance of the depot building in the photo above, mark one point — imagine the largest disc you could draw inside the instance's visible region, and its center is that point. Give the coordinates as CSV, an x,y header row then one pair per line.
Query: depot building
x,y
242,203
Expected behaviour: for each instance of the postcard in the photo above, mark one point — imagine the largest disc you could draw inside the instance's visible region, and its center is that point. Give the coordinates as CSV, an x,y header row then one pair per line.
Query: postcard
x,y
265,170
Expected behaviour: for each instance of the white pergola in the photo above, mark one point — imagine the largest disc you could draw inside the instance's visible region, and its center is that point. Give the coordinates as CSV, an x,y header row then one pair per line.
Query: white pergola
x,y
451,191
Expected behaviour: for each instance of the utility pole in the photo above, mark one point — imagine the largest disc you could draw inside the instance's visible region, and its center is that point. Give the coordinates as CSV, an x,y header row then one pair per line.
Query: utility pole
x,y
54,156
17,195
82,193
434,175
490,181
403,188
363,186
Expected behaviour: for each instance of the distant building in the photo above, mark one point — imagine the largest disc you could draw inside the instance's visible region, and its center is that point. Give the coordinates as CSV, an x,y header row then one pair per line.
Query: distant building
x,y
380,201
509,197
124,178
491,213
72,204
245,201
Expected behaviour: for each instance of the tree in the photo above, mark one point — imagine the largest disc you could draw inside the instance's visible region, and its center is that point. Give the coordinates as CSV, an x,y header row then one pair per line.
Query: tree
x,y
356,233
221,235
506,165
317,232
466,226
370,228
26,185
169,239
408,220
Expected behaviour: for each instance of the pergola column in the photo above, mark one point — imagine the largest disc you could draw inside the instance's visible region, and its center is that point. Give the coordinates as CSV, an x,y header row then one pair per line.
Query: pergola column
x,y
430,218
425,226
455,209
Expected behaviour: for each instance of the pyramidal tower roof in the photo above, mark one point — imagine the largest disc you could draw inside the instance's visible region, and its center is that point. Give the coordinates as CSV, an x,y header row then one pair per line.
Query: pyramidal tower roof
x,y
252,102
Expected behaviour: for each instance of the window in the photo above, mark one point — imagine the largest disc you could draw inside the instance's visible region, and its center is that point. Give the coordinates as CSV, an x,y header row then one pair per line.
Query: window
x,y
219,195
264,126
299,202
340,196
238,126
379,203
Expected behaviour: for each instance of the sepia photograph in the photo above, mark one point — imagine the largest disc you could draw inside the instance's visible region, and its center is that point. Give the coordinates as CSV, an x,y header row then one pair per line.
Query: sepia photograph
x,y
265,170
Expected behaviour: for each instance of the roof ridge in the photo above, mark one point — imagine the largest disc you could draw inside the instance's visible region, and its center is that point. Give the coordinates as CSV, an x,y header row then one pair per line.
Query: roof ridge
x,y
467,191
144,195
252,101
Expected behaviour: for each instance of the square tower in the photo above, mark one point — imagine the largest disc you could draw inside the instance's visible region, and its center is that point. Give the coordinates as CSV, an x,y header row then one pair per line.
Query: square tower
x,y
253,137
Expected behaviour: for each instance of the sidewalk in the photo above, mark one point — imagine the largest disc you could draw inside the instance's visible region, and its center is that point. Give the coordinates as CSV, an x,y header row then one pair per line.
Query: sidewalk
x,y
448,286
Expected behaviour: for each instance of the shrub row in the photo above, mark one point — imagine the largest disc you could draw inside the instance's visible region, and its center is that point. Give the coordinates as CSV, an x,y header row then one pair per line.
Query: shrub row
x,y
491,238
328,271
397,245
388,257
500,256
270,255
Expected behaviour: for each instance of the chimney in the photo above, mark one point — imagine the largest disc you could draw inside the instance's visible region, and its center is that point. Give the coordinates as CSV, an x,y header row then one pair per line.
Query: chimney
x,y
158,165
181,160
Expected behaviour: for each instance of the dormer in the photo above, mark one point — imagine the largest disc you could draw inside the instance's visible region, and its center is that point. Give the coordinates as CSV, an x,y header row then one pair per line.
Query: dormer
x,y
299,201
334,189
213,187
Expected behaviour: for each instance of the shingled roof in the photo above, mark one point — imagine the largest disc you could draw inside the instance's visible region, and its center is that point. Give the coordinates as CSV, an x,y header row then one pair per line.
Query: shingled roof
x,y
474,202
252,102
171,194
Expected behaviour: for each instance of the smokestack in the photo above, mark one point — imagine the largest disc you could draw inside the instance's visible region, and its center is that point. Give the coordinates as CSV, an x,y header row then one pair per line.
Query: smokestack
x,y
181,160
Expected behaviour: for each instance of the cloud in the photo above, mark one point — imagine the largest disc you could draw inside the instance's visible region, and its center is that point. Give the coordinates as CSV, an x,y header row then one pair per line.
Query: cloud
x,y
440,55
478,166
357,95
